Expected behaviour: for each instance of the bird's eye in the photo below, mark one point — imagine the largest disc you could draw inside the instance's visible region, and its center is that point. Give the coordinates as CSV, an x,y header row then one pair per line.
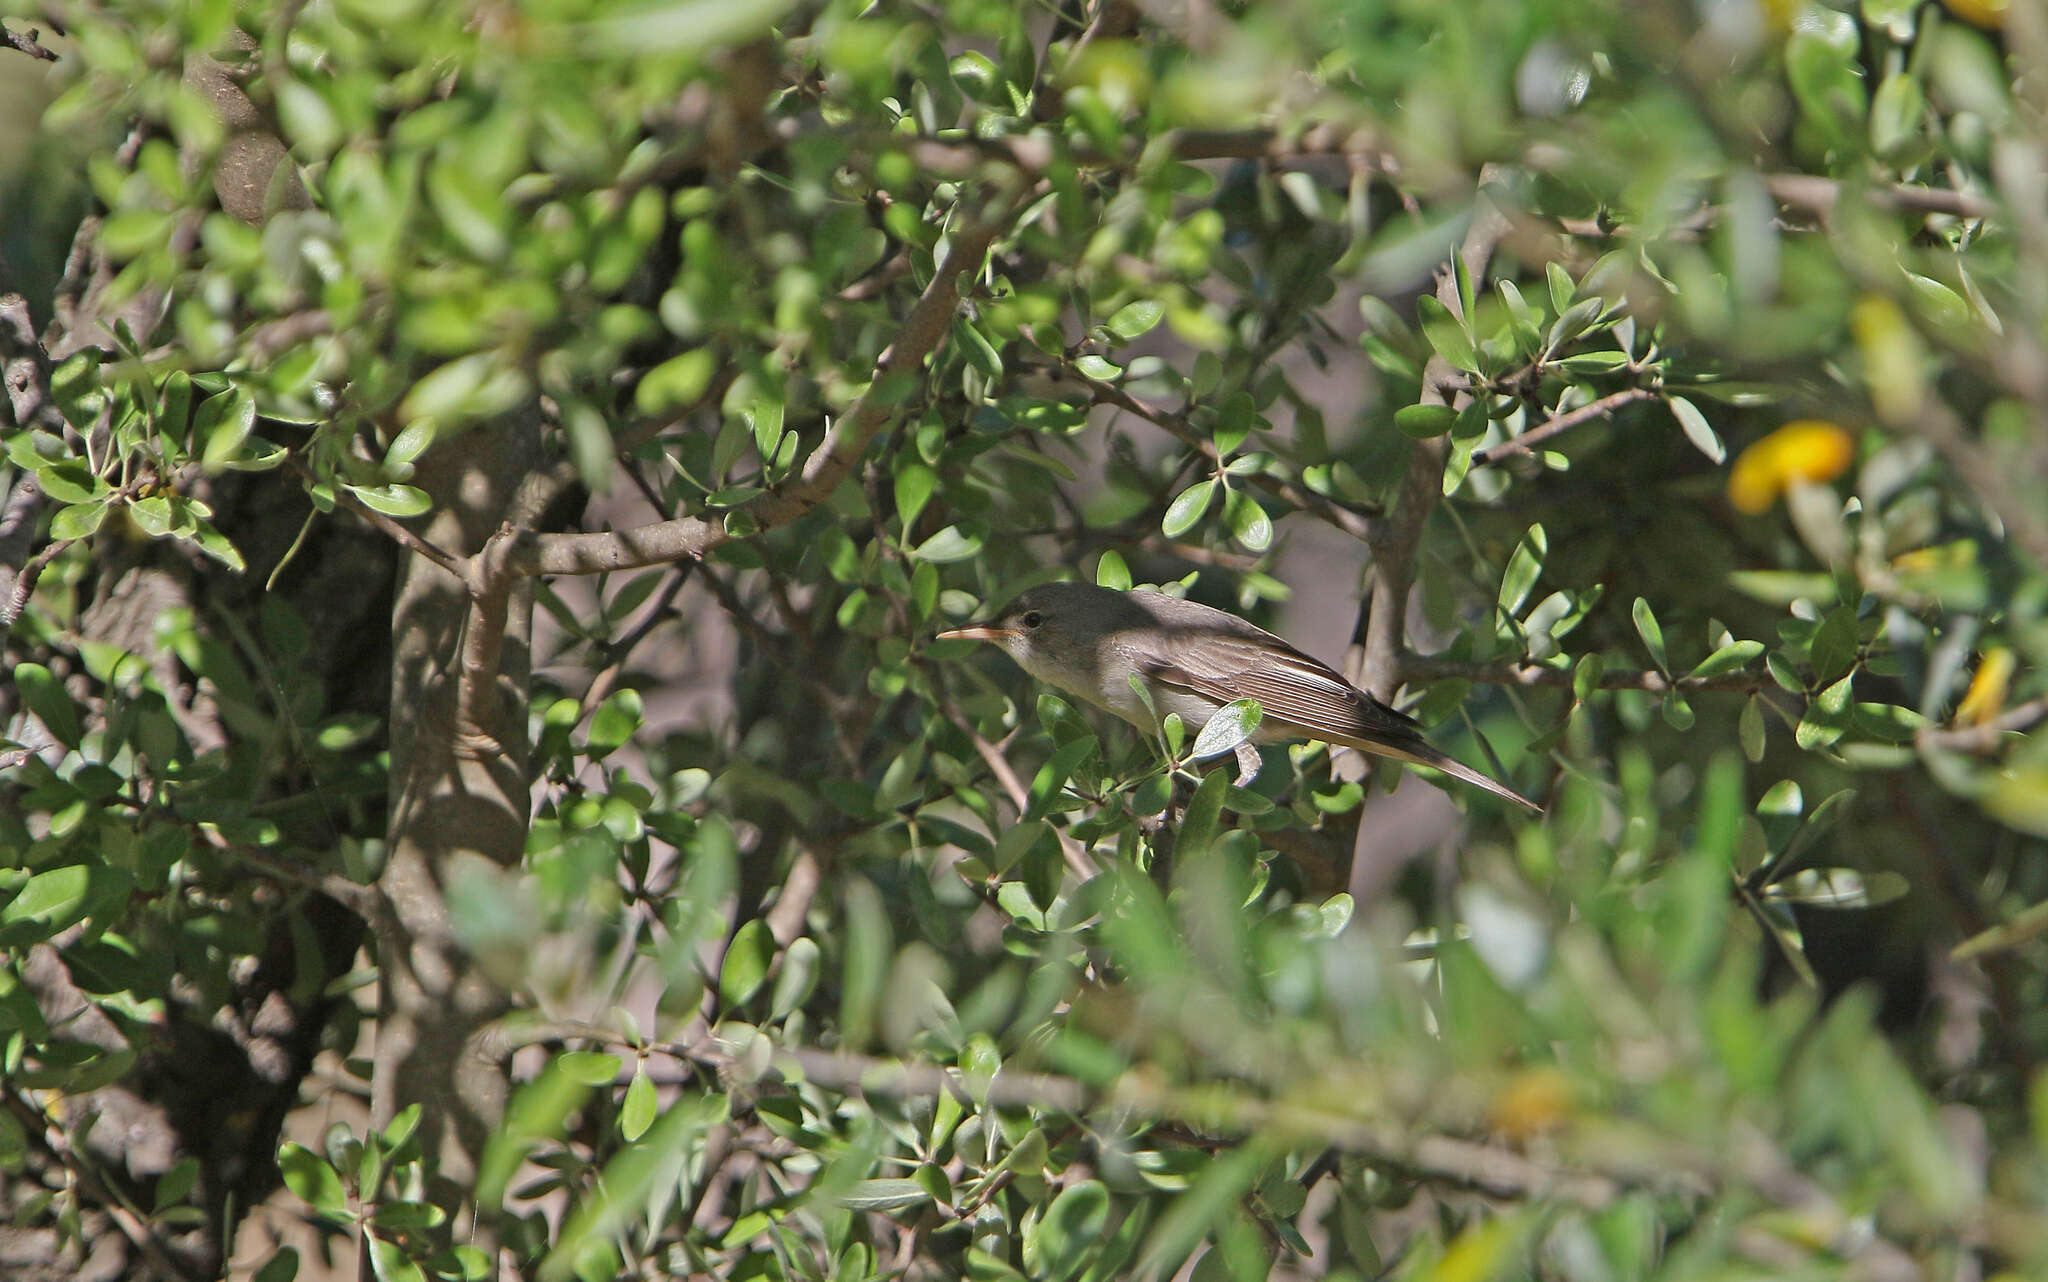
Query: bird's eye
x,y
1033,618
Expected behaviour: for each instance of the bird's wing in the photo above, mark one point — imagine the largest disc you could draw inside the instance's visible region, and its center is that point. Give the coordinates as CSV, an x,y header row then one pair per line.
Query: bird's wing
x,y
1290,686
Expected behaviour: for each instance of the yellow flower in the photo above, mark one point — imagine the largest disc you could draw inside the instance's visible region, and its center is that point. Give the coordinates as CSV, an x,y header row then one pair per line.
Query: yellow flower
x,y
1533,1101
1988,14
1986,696
1809,450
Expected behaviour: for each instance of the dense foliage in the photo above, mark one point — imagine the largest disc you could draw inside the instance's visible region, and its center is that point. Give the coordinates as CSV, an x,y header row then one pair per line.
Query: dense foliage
x,y
1675,372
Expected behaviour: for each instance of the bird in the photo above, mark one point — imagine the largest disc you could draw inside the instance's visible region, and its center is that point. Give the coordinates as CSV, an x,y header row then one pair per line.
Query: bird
x,y
1193,660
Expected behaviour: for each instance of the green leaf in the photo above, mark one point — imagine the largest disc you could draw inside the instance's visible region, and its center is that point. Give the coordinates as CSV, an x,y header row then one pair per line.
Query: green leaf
x,y
637,1111
591,1068
1733,657
1586,676
308,1174
1827,717
1134,319
980,353
1424,421
915,481
616,720
45,697
1199,823
69,482
1111,572
883,1195
1524,565
947,546
152,515
1187,508
1749,729
746,964
1835,645
1226,728
1058,1244
1697,430
1095,367
1652,634
392,500
677,382
1562,290
1895,115
797,979
52,900
222,427
1248,521
1822,62
1447,334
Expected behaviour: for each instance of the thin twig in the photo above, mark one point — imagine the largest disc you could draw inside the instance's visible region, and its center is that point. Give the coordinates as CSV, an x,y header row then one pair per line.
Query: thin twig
x,y
1987,736
357,898
402,536
491,579
29,44
844,444
1077,857
1353,522
1558,423
1395,540
25,582
1819,195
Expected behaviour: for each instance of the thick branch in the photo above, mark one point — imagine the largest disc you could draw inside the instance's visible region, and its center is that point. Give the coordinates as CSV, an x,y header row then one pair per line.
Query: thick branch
x,y
828,465
1559,423
26,368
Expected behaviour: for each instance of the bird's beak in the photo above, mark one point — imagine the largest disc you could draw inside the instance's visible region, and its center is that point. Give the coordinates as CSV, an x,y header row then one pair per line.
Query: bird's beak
x,y
978,632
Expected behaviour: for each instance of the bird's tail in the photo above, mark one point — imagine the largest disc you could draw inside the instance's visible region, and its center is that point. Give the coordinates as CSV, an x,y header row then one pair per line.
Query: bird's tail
x,y
1422,754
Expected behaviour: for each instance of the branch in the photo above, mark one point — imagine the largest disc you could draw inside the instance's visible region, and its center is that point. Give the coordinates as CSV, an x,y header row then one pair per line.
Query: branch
x,y
491,576
359,899
25,583
399,534
1424,667
1986,737
1559,423
1346,519
29,44
1819,195
26,368
828,465
1395,539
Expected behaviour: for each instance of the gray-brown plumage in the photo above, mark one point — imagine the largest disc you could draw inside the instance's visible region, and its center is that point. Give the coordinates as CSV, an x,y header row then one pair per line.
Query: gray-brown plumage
x,y
1089,641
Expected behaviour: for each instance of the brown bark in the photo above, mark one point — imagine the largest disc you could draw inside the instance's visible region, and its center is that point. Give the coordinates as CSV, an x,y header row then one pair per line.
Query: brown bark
x,y
451,812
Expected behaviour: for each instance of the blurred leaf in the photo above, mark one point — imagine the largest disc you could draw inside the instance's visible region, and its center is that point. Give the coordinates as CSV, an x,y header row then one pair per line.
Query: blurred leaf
x,y
1424,420
747,959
